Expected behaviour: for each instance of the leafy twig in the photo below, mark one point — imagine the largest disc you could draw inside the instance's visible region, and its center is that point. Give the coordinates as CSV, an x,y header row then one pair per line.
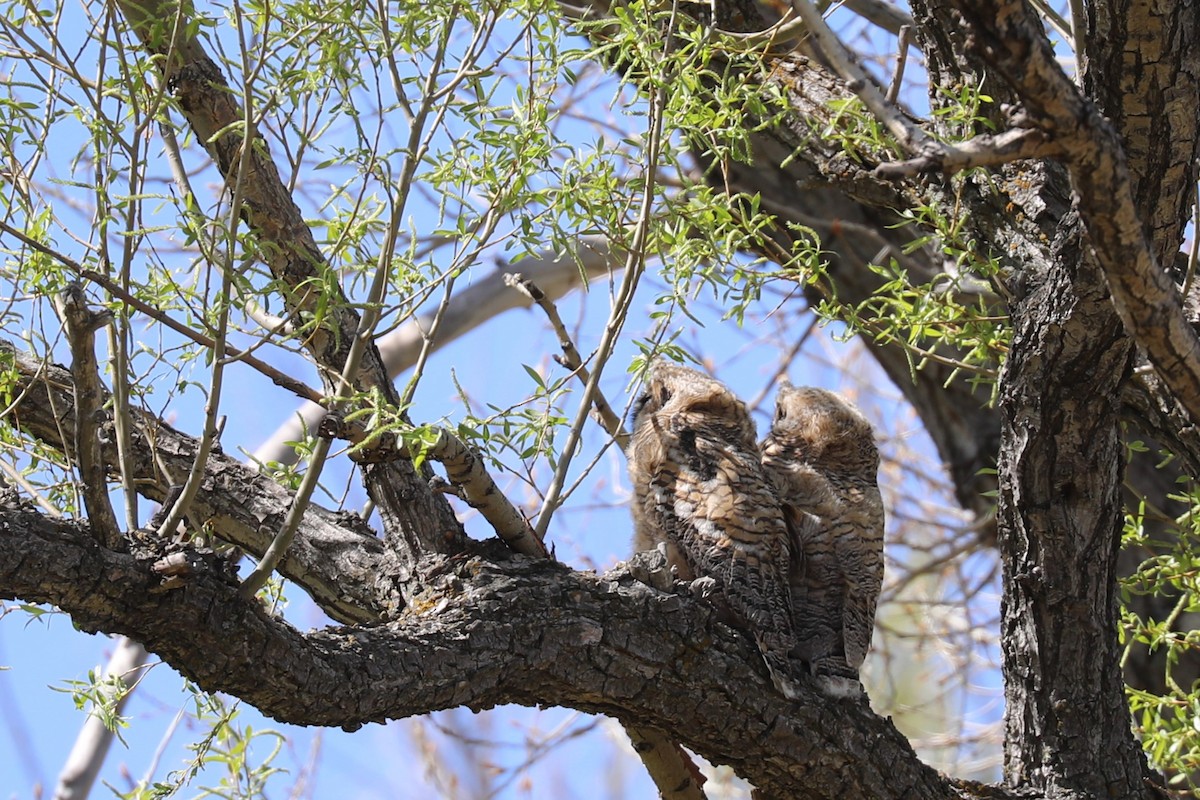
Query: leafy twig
x,y
464,470
570,356
635,264
281,379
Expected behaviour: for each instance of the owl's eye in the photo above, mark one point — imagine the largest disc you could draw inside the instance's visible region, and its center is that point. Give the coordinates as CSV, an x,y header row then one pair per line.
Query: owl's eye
x,y
666,396
780,413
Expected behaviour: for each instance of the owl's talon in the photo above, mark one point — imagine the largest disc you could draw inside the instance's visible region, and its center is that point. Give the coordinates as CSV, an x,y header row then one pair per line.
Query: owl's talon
x,y
840,686
703,588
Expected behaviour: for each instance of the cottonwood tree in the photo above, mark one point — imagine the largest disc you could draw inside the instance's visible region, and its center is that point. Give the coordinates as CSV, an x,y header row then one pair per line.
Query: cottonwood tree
x,y
285,194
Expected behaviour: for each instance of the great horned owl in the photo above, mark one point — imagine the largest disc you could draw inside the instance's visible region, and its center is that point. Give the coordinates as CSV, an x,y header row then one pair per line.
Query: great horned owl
x,y
821,456
699,488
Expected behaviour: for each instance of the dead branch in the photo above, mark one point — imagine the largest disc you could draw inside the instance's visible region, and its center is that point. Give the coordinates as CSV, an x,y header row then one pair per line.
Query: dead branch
x,y
81,324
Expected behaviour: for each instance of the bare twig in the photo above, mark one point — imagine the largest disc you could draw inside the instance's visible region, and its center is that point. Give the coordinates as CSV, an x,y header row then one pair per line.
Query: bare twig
x,y
786,31
570,356
1064,29
981,151
904,39
1078,36
283,537
81,324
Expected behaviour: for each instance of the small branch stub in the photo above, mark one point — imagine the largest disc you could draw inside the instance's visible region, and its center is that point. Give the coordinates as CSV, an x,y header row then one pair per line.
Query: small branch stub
x,y
981,151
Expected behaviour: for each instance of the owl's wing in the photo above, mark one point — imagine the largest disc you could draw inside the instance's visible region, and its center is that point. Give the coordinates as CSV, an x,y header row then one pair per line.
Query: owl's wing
x,y
818,594
859,537
726,523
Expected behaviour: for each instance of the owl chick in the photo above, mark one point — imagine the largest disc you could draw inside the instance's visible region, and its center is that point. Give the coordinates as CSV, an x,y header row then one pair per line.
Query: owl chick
x,y
822,458
699,488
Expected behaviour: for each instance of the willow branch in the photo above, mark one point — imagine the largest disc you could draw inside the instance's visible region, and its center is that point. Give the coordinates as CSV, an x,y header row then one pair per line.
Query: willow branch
x,y
570,358
81,324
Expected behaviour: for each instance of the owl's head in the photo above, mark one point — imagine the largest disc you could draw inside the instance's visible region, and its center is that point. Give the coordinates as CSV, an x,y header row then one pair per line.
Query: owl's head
x,y
676,398
821,427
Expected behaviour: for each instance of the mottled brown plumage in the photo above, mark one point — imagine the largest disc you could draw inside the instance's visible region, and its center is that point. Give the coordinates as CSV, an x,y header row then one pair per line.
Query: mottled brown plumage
x,y
699,488
821,456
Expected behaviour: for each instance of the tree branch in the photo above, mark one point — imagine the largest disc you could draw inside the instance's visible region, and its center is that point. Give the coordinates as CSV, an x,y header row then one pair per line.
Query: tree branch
x,y
464,470
517,631
336,558
981,151
1010,38
81,324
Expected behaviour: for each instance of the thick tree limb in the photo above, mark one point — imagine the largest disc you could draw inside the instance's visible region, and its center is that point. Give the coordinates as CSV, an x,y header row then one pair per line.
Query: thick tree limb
x,y
1010,37
1067,719
519,631
335,558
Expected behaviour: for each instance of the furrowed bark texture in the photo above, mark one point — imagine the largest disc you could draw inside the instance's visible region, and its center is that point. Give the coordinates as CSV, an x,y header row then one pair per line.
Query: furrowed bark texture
x,y
336,558
1061,457
484,632
1067,721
